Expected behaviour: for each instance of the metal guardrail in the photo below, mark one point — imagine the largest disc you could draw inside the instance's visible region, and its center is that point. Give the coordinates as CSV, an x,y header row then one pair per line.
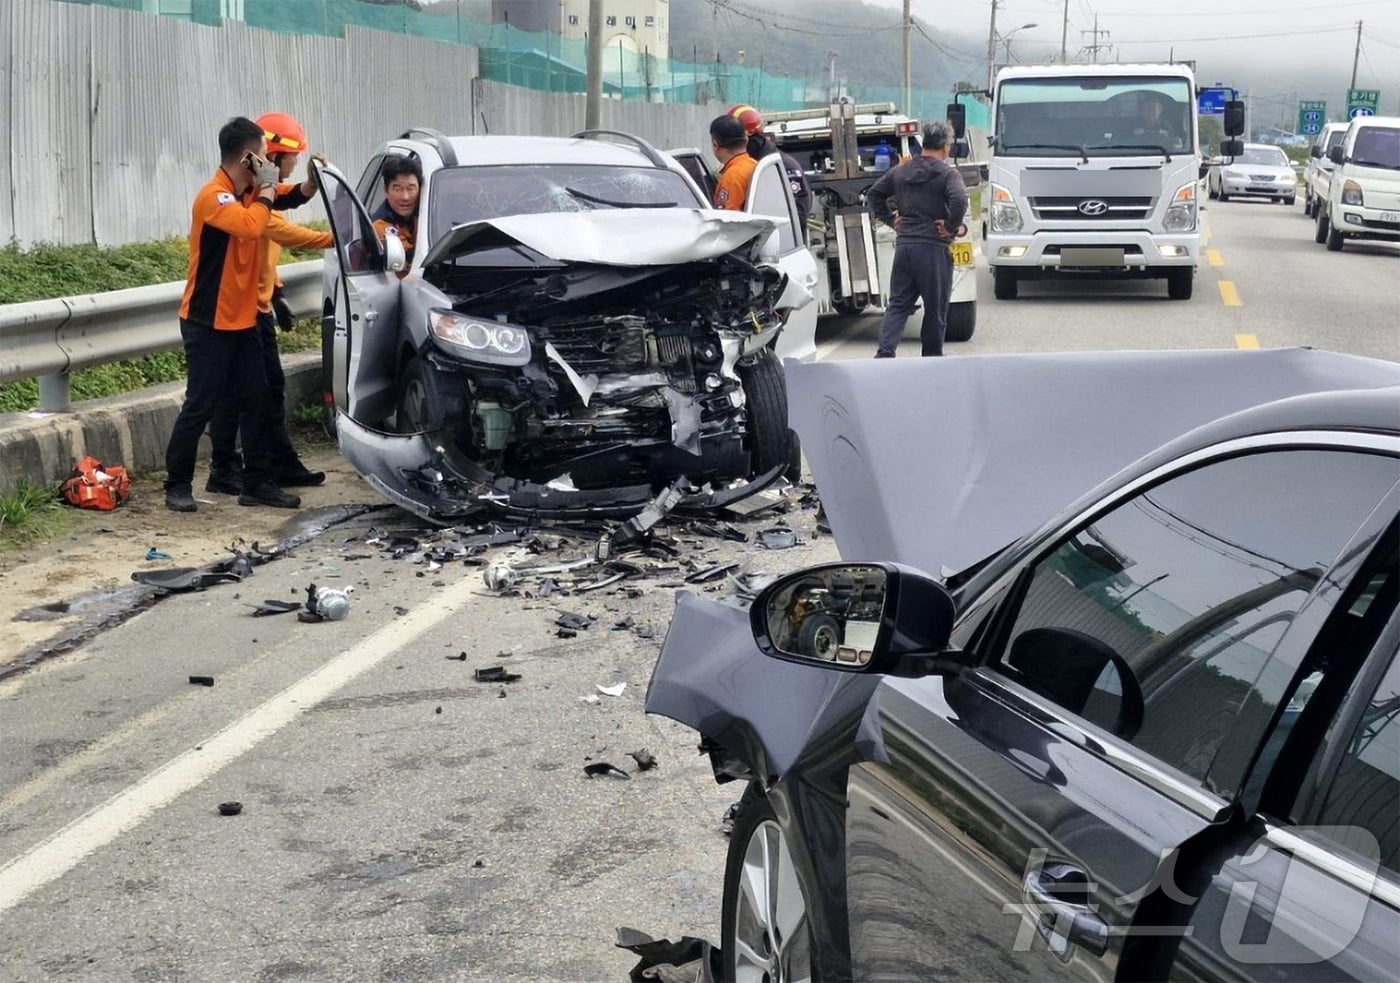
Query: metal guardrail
x,y
49,339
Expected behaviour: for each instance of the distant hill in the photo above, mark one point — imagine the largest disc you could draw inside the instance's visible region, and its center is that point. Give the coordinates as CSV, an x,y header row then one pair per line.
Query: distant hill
x,y
793,39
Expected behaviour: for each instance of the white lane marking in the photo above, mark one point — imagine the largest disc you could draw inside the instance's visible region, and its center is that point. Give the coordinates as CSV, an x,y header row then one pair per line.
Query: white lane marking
x,y
66,848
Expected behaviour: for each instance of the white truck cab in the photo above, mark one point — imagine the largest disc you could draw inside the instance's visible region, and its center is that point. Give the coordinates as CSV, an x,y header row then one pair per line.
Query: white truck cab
x,y
1094,172
1360,197
1319,163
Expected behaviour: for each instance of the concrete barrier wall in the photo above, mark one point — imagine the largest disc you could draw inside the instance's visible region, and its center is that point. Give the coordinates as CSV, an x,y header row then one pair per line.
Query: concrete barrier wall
x,y
113,114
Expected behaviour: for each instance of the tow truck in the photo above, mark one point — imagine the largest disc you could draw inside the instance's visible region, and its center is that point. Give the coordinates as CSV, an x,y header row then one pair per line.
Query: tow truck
x,y
836,148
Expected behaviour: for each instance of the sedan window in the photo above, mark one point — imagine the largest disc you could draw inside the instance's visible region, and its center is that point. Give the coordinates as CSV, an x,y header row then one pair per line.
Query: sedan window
x,y
1159,620
460,195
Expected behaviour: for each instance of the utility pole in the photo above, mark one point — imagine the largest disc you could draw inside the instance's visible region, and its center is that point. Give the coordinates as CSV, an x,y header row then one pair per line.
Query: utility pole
x,y
992,47
593,101
908,79
1096,46
1064,35
1355,58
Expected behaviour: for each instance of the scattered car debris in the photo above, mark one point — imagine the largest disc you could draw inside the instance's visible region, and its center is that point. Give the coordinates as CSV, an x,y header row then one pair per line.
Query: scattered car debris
x,y
623,624
566,633
437,710
778,538
590,698
616,689
691,960
646,761
155,554
274,607
201,680
602,768
326,604
568,619
709,574
495,674
230,808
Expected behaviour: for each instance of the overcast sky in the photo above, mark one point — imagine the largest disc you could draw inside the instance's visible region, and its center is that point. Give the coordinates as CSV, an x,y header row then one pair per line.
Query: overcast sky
x,y
1281,49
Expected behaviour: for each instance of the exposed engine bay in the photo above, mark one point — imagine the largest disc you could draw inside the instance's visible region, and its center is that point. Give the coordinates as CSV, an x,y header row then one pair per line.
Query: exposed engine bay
x,y
589,377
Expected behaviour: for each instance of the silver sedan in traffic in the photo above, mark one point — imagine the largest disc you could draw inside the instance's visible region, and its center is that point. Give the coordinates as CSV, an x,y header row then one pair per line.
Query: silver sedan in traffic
x,y
1262,170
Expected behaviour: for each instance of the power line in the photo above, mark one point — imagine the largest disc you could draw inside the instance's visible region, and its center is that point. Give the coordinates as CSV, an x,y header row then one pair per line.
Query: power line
x,y
1272,10
1246,37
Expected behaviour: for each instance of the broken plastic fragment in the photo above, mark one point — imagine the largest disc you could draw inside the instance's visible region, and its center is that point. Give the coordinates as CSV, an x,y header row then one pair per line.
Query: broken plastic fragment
x,y
568,619
274,607
778,538
583,385
495,674
616,689
711,573
202,680
500,576
603,768
692,960
646,761
230,808
155,554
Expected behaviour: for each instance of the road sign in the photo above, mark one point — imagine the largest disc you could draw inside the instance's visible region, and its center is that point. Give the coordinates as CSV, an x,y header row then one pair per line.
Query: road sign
x,y
1211,102
1311,116
1362,102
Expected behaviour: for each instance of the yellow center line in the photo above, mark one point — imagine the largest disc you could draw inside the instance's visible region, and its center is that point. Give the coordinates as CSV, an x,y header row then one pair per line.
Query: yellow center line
x,y
1229,295
1213,255
1244,341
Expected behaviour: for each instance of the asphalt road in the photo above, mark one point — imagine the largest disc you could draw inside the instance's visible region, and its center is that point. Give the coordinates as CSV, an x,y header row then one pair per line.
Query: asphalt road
x,y
1265,284
402,821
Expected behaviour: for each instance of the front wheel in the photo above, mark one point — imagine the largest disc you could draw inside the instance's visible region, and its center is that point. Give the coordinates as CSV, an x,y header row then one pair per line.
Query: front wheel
x,y
962,321
1323,226
1180,283
765,392
1334,238
765,933
1222,195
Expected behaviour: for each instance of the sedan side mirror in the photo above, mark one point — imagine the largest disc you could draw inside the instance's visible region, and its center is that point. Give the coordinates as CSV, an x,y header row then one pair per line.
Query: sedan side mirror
x,y
1336,156
395,257
856,617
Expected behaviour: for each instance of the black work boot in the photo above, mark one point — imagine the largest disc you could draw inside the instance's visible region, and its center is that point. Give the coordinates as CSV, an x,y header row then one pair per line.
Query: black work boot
x,y
297,475
180,499
270,496
224,483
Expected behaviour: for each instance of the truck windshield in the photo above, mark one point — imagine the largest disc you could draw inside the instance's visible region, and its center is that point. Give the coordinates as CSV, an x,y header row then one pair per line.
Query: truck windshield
x,y
1107,117
1377,146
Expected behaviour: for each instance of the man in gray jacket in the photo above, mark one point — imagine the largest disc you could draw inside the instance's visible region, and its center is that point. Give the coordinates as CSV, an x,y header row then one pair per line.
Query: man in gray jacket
x,y
924,201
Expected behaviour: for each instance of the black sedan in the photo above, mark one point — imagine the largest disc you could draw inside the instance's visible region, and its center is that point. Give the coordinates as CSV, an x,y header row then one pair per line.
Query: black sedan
x,y
1105,687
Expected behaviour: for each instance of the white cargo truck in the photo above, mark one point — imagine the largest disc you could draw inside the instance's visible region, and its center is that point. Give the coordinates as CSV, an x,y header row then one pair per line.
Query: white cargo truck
x,y
1094,172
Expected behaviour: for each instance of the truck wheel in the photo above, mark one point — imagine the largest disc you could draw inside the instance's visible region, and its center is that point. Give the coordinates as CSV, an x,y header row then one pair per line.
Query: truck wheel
x,y
819,637
962,321
1211,193
1180,283
765,389
1004,283
1323,226
1307,206
1334,238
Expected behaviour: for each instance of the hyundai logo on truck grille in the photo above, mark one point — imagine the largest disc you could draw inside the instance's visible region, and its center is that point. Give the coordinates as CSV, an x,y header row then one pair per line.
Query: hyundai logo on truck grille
x,y
1093,206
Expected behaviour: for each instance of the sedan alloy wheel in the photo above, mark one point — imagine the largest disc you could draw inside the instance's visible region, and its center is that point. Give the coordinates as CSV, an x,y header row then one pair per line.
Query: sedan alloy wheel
x,y
767,938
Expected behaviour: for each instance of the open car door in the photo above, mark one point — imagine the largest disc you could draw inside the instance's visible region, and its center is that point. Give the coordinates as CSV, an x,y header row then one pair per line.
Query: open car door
x,y
364,303
770,195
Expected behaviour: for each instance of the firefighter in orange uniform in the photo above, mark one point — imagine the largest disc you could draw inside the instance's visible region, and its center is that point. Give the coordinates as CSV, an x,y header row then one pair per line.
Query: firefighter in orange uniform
x,y
218,315
286,141
730,143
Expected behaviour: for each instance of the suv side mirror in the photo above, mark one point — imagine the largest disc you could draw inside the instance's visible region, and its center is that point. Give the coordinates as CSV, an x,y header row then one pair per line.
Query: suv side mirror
x,y
1234,117
395,258
957,115
1231,148
1335,155
856,617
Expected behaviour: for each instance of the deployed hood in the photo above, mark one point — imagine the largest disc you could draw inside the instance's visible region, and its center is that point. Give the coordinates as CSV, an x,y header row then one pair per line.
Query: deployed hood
x,y
611,237
940,462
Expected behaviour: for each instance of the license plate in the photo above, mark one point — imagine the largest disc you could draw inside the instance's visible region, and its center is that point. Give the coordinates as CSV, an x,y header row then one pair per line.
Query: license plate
x,y
962,253
1385,217
1091,256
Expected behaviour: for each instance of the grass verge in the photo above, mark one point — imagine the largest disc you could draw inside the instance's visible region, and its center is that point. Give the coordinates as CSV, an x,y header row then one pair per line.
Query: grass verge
x,y
30,513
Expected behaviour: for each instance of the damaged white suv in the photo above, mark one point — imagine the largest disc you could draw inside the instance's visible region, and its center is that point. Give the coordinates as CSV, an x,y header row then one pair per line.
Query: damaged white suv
x,y
577,333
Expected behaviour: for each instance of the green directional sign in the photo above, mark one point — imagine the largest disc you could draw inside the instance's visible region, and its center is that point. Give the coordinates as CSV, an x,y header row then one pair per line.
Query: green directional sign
x,y
1311,116
1362,102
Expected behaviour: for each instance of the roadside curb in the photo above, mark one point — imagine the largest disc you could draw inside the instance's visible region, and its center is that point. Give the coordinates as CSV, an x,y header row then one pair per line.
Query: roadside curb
x,y
131,429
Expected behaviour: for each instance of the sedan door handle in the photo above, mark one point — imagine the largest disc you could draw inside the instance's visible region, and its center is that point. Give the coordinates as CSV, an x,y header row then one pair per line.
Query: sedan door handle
x,y
1060,893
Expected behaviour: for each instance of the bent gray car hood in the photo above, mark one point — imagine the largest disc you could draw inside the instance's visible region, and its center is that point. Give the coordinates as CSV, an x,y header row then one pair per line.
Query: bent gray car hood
x,y
940,462
612,237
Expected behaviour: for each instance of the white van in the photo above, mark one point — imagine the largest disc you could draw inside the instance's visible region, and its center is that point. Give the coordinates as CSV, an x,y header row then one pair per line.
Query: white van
x,y
1319,163
1361,199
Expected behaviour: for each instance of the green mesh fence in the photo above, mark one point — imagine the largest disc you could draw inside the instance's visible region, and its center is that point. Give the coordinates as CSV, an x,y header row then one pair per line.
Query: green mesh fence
x,y
548,61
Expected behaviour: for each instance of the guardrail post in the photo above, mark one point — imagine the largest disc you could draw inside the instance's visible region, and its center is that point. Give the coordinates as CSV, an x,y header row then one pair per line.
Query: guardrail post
x,y
55,393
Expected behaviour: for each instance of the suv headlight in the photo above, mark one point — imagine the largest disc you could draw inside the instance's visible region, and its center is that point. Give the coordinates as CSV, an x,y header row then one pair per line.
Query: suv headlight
x,y
1351,193
1181,213
1006,216
480,340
